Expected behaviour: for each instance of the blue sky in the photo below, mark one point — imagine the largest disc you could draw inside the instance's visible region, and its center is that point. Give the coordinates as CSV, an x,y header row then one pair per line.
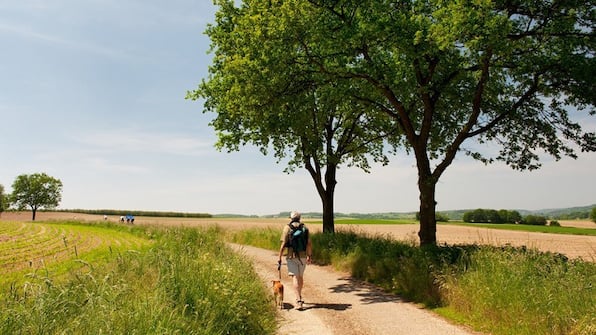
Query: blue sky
x,y
92,93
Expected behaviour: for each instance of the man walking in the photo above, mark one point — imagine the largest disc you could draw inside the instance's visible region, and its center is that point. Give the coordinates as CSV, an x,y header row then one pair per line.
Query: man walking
x,y
295,240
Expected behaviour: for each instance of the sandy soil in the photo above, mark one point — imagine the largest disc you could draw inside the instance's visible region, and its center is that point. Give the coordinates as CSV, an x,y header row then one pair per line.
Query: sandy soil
x,y
335,303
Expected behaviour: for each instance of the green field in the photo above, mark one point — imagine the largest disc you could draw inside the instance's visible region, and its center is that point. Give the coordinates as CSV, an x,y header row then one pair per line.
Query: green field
x,y
55,248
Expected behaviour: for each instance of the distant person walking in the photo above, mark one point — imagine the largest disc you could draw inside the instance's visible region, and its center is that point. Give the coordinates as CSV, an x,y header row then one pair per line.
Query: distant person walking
x,y
296,242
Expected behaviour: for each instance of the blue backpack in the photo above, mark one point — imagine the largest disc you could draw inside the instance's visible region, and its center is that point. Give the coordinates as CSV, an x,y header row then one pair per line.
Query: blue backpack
x,y
297,239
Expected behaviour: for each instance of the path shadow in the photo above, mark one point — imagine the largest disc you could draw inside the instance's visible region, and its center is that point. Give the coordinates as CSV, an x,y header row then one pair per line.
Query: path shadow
x,y
313,305
369,293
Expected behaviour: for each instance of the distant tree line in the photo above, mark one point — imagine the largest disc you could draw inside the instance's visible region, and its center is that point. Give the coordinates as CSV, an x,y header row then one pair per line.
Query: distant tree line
x,y
439,217
492,216
505,216
137,213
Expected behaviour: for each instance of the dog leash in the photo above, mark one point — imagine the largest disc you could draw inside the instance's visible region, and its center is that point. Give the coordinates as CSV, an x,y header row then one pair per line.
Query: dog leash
x,y
279,269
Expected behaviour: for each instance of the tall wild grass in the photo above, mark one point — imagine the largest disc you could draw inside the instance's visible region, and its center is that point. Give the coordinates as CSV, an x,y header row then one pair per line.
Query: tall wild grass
x,y
188,282
519,291
497,290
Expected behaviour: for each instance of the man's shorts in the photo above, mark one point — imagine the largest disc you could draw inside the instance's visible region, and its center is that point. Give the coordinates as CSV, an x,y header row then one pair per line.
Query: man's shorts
x,y
296,266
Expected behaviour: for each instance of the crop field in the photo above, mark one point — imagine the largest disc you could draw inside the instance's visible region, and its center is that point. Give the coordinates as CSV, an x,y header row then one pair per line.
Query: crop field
x,y
30,246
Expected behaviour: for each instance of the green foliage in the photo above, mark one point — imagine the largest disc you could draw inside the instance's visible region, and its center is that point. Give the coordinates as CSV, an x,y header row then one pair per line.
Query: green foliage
x,y
36,191
189,282
593,214
263,93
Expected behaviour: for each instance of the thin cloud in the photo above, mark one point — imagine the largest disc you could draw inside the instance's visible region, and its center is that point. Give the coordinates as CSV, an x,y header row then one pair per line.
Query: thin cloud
x,y
53,39
127,140
105,165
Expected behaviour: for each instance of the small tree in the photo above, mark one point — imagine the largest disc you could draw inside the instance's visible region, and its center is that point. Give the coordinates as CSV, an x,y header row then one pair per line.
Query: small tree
x,y
593,214
36,191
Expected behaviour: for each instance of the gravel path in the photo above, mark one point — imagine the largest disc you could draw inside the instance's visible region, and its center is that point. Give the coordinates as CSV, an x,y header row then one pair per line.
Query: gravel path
x,y
337,304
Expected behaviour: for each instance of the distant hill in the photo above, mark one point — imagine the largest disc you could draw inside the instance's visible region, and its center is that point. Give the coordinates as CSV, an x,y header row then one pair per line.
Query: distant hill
x,y
582,212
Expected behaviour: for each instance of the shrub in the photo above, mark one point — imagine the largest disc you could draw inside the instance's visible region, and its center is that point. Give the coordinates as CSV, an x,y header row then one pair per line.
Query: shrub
x,y
442,217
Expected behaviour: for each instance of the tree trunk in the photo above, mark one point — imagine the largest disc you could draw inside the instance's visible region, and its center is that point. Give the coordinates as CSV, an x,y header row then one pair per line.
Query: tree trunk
x,y
428,222
326,192
328,211
33,210
327,197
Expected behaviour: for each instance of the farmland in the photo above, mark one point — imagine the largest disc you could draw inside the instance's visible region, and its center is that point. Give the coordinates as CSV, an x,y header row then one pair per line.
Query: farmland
x,y
569,244
28,246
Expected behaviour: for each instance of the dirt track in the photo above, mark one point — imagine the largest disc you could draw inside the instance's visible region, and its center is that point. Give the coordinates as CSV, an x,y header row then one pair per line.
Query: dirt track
x,y
336,303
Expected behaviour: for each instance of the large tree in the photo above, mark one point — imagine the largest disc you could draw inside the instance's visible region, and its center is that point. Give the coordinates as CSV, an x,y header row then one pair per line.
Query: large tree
x,y
263,96
453,76
37,190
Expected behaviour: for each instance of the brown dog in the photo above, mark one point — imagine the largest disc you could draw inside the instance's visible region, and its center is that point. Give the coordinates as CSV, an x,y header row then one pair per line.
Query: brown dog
x,y
278,293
